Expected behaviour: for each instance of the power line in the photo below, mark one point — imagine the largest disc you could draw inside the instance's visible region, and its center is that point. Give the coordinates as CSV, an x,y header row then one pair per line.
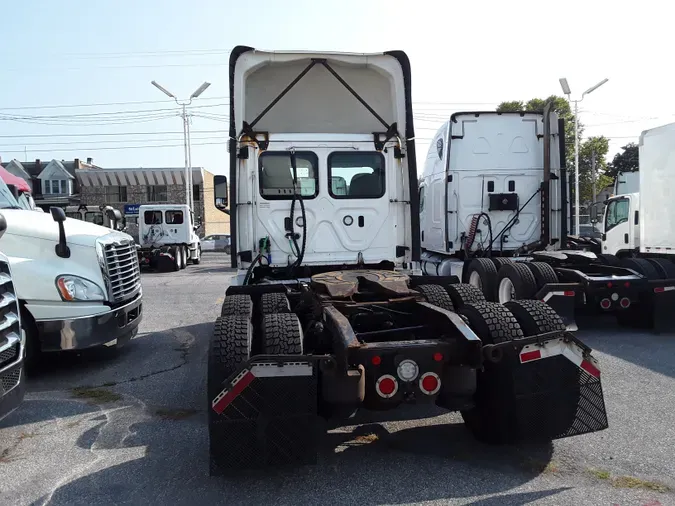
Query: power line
x,y
89,134
100,104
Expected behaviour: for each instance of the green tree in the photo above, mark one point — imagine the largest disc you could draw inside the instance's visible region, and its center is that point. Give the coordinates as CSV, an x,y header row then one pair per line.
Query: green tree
x,y
600,144
593,147
626,161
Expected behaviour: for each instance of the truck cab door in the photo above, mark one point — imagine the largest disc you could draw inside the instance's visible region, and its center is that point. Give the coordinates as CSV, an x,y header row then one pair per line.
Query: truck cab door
x,y
619,232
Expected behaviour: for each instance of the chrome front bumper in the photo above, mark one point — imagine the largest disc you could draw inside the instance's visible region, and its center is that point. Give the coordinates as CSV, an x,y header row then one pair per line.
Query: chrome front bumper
x,y
117,326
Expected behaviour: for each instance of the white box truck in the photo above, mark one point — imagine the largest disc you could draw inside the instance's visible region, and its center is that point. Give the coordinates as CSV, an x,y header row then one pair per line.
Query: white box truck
x,y
78,284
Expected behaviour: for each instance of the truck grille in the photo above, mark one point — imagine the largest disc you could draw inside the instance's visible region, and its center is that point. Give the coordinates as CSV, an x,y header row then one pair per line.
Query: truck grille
x,y
122,271
10,325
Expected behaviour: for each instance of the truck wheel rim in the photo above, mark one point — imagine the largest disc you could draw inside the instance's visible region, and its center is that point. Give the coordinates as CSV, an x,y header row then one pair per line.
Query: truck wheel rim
x,y
507,291
474,280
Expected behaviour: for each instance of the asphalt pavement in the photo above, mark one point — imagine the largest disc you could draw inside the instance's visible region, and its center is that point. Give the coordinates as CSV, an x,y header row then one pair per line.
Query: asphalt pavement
x,y
130,428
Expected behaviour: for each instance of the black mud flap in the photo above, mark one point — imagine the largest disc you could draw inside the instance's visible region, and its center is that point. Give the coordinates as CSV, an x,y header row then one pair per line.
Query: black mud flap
x,y
266,415
562,298
662,295
557,388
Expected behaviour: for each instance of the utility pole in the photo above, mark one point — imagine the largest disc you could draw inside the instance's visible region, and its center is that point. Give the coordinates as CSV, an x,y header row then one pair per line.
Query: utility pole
x,y
186,135
566,90
593,174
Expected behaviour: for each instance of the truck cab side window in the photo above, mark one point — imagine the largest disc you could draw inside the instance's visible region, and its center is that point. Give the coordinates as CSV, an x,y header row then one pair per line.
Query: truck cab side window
x,y
617,213
421,199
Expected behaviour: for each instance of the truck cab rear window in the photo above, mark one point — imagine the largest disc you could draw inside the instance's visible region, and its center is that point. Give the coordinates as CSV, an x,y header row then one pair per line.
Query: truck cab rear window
x,y
174,217
276,175
355,175
152,217
95,218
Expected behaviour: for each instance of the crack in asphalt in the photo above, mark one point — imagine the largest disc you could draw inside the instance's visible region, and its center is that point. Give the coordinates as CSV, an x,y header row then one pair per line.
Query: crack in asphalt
x,y
184,350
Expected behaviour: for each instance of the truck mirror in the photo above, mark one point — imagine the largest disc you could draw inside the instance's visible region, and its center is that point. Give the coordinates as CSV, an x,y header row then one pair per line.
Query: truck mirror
x,y
594,214
220,191
59,216
14,190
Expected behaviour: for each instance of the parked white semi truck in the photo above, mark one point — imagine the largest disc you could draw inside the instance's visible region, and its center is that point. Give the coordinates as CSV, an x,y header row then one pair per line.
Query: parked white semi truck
x,y
105,216
328,313
167,237
494,211
12,339
78,284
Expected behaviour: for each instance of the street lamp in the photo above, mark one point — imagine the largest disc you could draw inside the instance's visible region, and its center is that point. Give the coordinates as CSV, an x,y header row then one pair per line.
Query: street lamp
x,y
186,135
566,90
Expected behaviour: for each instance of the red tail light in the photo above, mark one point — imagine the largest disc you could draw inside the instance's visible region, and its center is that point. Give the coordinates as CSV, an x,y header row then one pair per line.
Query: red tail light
x,y
386,386
605,303
430,383
625,302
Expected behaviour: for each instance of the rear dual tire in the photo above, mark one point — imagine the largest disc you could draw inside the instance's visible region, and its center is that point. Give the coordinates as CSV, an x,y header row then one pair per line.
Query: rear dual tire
x,y
495,417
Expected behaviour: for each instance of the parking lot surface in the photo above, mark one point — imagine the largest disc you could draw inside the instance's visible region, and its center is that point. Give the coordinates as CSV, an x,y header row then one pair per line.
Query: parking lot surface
x,y
130,428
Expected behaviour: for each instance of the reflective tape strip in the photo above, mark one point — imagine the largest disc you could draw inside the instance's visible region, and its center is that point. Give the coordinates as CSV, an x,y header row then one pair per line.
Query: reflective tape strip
x,y
661,289
260,370
569,350
568,293
224,398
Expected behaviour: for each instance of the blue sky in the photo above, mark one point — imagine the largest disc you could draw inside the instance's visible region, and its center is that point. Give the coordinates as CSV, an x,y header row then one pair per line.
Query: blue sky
x,y
465,56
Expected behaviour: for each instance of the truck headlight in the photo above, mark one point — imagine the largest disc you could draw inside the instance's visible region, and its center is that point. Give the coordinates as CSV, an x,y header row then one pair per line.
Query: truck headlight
x,y
77,289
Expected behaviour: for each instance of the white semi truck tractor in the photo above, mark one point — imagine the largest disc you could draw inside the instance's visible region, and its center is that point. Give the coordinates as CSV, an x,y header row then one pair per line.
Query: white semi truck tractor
x,y
328,313
494,210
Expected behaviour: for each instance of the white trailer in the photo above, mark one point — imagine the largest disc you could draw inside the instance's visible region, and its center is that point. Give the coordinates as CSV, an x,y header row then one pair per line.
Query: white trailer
x,y
167,237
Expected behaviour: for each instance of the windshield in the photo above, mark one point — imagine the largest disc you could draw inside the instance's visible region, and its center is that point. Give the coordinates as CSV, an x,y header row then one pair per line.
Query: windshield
x,y
25,202
7,200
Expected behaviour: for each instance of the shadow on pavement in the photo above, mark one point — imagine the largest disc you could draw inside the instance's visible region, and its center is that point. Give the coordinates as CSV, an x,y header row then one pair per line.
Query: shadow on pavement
x,y
367,466
640,347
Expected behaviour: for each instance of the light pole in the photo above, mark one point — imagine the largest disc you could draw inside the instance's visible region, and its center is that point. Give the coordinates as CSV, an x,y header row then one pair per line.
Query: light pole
x,y
186,135
568,92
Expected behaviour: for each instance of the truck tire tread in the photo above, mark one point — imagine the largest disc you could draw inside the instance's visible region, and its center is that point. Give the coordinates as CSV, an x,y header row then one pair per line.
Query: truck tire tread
x,y
274,302
230,346
237,305
543,273
437,296
493,323
499,261
462,294
535,317
487,272
521,277
282,334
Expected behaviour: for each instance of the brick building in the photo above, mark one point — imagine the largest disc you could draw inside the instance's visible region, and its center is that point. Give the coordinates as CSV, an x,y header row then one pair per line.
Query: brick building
x,y
126,189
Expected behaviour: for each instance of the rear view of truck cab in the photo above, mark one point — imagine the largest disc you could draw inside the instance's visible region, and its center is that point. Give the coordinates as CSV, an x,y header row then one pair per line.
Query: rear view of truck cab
x,y
328,313
167,237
